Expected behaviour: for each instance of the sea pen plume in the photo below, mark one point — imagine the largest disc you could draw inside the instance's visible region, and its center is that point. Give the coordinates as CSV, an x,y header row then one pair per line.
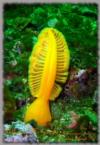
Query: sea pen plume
x,y
48,68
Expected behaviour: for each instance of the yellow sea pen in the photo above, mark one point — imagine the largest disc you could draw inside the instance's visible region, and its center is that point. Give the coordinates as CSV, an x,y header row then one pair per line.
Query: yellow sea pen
x,y
48,67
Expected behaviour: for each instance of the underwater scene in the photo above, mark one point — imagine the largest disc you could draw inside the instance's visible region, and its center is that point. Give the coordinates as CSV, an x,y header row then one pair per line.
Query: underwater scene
x,y
50,77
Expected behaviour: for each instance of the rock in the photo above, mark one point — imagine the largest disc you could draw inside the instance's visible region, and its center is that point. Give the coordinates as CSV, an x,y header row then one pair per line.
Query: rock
x,y
81,83
19,132
74,120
